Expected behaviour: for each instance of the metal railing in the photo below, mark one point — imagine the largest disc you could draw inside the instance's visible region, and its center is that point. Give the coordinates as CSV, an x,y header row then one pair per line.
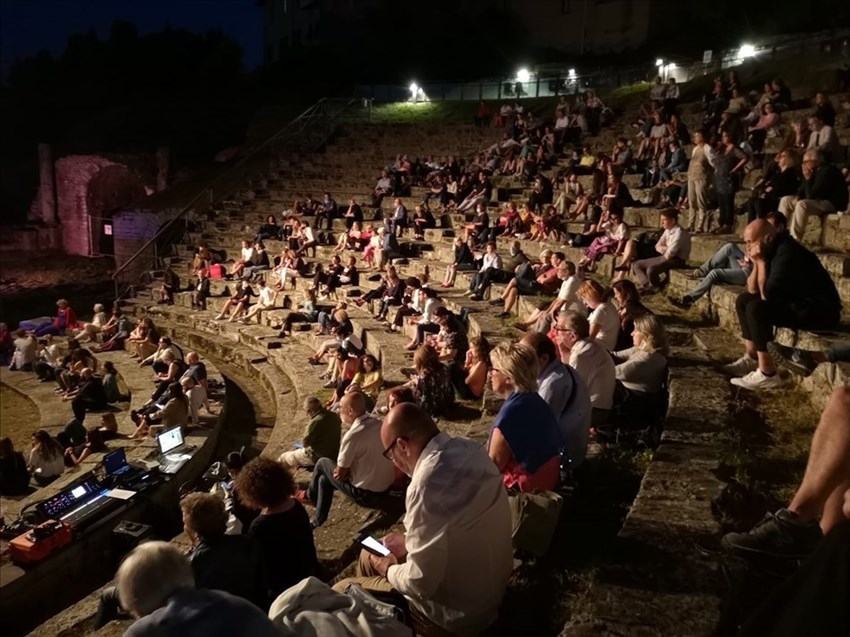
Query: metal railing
x,y
552,82
307,132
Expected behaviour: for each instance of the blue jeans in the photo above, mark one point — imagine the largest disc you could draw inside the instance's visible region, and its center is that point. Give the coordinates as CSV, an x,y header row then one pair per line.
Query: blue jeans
x,y
323,485
723,267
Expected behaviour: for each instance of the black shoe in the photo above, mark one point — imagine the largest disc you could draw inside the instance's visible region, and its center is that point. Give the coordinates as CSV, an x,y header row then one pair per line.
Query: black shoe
x,y
496,302
503,315
684,303
476,297
796,359
779,534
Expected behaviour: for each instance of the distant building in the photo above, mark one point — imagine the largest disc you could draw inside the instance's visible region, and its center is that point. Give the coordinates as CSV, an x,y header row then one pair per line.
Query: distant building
x,y
571,26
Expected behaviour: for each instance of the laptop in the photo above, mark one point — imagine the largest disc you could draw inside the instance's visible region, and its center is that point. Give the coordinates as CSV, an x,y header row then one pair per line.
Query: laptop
x,y
116,466
173,452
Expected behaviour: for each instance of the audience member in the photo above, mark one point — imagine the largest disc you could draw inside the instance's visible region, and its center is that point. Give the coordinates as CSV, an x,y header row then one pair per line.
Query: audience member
x,y
14,475
822,191
603,317
46,462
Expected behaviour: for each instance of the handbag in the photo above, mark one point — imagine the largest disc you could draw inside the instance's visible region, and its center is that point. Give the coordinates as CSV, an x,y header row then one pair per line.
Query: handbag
x,y
534,517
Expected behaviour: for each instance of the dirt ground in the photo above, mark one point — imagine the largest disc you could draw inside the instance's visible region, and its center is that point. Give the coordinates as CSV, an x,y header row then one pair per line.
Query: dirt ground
x,y
19,275
19,417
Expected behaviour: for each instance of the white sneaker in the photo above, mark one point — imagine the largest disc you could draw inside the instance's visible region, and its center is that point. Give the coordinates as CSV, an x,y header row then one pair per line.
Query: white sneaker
x,y
759,380
742,366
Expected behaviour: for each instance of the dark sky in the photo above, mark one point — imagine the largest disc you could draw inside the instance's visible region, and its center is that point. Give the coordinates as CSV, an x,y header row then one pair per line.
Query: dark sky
x,y
27,26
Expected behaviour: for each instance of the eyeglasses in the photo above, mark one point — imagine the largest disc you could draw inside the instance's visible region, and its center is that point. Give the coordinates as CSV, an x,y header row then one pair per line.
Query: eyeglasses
x,y
388,452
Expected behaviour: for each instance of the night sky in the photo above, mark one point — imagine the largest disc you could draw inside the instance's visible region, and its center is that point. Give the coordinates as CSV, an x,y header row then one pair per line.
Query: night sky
x,y
27,26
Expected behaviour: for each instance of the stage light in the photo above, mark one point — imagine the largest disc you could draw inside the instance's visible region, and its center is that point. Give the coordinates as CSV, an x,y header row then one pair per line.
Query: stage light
x,y
747,51
523,75
671,66
659,62
572,74
414,89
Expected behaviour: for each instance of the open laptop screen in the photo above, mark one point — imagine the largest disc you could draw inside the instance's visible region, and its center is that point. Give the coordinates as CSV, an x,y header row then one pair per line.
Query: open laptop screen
x,y
170,440
114,461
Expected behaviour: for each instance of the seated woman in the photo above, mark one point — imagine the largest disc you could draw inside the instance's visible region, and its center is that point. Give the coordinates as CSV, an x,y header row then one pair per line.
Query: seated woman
x,y
546,225
46,461
282,529
269,230
525,441
641,371
291,265
766,125
175,413
170,285
341,331
353,214
307,313
471,380
629,307
110,384
259,263
266,298
596,216
239,301
14,477
344,369
422,221
603,318
245,259
479,228
431,383
391,297
87,332
613,240
369,377
371,249
65,320
108,426
174,370
463,260
781,179
140,338
94,444
26,348
349,240
426,322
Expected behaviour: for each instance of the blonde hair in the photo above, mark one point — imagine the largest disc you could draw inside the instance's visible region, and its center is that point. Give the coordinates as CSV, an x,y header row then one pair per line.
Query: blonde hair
x,y
519,363
655,336
341,316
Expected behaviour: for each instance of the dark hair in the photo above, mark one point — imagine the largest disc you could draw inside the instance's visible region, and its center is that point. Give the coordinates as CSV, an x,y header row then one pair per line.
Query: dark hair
x,y
542,345
7,448
361,366
175,392
234,460
264,483
94,436
628,289
779,218
670,213
109,367
413,282
402,394
48,446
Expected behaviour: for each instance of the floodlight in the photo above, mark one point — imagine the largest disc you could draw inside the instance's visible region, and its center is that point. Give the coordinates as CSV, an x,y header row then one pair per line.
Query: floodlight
x,y
659,62
747,51
572,74
523,75
414,89
671,66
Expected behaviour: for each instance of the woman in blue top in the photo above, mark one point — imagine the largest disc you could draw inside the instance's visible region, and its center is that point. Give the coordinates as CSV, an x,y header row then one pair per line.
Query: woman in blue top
x,y
525,440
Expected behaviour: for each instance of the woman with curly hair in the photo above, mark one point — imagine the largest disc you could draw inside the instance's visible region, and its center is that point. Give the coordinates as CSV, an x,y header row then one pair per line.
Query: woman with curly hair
x,y
283,527
432,383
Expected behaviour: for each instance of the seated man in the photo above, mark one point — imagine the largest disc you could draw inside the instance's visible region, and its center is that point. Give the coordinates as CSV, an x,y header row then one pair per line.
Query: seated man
x,y
490,260
593,364
156,584
540,279
787,287
231,563
567,396
729,265
361,472
823,138
541,319
452,565
673,248
321,437
822,191
500,275
398,220
88,396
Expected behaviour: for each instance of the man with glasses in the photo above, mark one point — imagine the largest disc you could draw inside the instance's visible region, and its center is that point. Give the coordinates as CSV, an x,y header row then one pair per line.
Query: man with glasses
x,y
361,471
452,565
593,364
823,191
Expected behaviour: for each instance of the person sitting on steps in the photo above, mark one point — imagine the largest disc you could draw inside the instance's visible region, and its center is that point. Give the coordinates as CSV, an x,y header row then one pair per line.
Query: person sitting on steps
x,y
788,287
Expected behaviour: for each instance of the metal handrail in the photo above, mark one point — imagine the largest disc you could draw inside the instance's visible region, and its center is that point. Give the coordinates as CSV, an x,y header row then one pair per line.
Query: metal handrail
x,y
294,127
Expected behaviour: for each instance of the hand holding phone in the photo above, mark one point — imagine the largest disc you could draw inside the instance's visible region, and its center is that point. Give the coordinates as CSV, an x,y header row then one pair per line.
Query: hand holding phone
x,y
373,545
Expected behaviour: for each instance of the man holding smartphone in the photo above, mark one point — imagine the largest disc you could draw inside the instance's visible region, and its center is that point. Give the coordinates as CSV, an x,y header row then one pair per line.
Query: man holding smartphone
x,y
452,565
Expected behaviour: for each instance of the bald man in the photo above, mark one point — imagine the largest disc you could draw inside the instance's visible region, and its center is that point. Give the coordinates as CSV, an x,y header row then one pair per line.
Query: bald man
x,y
361,471
452,564
788,287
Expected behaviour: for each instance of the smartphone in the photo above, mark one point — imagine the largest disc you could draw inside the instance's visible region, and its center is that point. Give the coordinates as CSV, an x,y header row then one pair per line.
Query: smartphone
x,y
298,445
373,545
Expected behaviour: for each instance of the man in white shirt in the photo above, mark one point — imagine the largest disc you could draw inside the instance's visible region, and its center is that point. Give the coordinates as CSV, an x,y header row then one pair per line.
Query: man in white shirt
x,y
567,396
674,249
823,138
541,319
453,563
491,259
307,239
361,471
592,362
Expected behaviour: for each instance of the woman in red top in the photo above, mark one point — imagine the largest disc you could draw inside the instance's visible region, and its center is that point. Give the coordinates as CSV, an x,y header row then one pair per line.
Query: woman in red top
x,y
65,319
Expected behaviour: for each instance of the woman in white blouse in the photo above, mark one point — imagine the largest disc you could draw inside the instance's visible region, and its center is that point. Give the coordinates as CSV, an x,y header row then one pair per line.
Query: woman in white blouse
x,y
643,368
614,239
47,458
603,318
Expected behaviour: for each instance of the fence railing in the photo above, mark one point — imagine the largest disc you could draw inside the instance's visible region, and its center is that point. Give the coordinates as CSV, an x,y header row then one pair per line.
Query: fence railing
x,y
552,83
307,132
